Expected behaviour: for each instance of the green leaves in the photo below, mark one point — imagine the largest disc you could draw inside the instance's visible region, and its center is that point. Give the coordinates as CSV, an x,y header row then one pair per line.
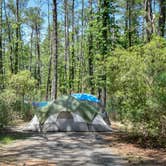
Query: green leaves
x,y
137,83
22,82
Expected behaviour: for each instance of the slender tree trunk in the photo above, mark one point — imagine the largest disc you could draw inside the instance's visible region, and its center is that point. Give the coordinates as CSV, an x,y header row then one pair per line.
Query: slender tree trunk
x,y
48,88
31,54
105,24
149,19
38,54
162,18
49,78
1,52
126,23
82,48
66,44
9,39
17,38
90,50
72,59
55,51
130,25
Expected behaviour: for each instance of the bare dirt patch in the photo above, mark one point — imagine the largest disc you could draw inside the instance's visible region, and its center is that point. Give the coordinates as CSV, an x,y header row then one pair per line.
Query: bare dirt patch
x,y
132,150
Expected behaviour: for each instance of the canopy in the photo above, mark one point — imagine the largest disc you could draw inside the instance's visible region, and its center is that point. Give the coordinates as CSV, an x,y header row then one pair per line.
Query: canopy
x,y
85,97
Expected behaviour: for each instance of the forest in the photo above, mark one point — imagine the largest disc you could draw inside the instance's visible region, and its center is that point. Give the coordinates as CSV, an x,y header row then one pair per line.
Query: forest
x,y
114,49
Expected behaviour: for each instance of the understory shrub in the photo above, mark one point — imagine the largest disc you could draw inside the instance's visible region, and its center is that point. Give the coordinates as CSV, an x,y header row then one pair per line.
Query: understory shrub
x,y
137,86
15,98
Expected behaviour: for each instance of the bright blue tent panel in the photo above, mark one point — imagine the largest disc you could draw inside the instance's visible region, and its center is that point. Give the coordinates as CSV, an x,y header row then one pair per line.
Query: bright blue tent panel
x,y
40,104
85,97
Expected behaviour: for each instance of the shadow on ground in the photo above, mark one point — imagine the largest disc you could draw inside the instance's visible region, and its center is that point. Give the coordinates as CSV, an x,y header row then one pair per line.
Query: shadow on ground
x,y
134,150
62,149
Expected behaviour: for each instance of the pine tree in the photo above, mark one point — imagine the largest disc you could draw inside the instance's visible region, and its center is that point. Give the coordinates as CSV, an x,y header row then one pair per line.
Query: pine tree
x,y
55,51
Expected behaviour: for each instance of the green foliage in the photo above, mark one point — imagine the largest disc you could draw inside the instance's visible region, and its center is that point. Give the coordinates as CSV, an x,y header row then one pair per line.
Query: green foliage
x,y
10,137
23,83
137,84
7,100
21,86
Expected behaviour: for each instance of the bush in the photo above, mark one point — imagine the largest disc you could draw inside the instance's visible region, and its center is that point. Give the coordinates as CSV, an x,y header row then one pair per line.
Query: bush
x,y
137,84
12,99
7,101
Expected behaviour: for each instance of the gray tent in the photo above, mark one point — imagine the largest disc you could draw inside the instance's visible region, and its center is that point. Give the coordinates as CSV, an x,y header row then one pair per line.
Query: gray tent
x,y
68,114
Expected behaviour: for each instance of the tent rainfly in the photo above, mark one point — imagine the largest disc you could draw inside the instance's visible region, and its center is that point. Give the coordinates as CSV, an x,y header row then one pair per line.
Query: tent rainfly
x,y
68,114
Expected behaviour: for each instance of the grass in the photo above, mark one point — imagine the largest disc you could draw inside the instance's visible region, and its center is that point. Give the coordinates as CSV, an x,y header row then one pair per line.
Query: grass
x,y
7,138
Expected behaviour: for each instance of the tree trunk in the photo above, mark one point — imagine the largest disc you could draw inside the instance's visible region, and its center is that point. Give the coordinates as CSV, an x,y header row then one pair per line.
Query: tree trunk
x,y
126,23
49,79
66,54
55,51
72,59
90,49
162,18
31,54
149,19
9,39
48,88
1,53
82,48
130,25
38,54
17,39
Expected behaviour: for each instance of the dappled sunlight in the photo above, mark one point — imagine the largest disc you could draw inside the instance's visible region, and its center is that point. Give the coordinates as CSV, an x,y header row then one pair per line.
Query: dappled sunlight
x,y
85,148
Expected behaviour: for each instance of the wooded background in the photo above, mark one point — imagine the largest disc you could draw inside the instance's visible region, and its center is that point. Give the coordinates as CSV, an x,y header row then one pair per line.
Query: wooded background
x,y
114,49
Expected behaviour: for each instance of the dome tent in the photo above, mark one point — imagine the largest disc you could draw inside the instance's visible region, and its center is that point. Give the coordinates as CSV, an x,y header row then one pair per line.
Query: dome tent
x,y
67,114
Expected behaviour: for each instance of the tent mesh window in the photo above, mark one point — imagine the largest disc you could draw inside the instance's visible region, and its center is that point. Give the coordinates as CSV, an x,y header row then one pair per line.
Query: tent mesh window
x,y
65,115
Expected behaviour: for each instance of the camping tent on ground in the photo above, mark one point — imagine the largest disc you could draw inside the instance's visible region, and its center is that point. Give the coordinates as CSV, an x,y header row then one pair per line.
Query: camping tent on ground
x,y
68,114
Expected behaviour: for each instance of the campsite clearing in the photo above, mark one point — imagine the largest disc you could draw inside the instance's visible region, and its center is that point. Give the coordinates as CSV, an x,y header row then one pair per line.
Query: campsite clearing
x,y
77,148
60,148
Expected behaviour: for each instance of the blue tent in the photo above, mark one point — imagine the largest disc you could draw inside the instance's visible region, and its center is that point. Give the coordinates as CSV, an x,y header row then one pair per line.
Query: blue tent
x,y
85,97
40,104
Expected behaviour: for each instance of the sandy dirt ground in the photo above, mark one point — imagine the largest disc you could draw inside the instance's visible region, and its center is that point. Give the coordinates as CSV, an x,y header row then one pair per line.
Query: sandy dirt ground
x,y
61,148
78,148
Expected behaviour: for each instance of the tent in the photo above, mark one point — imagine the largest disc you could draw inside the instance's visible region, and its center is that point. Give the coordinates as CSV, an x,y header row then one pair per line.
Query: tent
x,y
68,114
85,97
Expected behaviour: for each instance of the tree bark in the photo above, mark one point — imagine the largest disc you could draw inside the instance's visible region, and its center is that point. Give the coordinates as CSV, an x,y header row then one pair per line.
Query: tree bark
x,y
72,59
17,39
38,54
1,52
31,54
130,25
162,18
82,48
55,51
90,49
149,19
66,53
105,18
48,88
9,39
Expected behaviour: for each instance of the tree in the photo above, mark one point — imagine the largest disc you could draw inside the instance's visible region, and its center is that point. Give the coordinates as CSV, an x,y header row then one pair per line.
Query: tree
x,y
90,49
1,53
162,17
48,86
34,21
9,34
16,67
72,58
149,17
105,23
55,51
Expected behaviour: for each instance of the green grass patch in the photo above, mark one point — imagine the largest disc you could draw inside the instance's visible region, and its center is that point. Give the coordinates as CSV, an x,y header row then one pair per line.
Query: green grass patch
x,y
7,138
